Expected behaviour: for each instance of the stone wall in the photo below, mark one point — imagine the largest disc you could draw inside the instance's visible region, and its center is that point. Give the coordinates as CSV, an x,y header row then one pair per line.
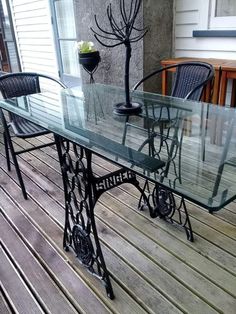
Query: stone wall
x,y
146,53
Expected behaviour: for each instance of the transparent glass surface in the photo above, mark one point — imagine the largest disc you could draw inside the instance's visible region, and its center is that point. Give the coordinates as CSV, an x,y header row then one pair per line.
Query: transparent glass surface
x,y
65,18
225,8
168,130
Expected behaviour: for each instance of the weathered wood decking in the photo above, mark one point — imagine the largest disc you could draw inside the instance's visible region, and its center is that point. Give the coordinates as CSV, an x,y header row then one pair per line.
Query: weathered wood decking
x,y
154,268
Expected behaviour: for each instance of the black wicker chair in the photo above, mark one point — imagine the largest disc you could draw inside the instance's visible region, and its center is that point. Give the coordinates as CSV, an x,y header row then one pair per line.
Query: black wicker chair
x,y
190,78
189,81
16,85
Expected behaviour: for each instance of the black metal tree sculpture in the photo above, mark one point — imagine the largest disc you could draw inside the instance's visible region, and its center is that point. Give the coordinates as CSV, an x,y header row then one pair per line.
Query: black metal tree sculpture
x,y
122,33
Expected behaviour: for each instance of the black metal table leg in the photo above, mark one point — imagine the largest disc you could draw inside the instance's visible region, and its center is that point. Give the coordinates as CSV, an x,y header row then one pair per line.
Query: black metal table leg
x,y
82,190
79,210
162,203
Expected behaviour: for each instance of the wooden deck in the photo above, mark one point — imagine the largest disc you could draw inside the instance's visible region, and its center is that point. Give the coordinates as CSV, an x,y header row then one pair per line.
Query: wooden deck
x,y
154,268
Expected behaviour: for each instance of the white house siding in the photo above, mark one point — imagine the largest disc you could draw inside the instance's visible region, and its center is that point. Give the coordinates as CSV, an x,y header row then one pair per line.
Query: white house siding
x,y
34,36
194,15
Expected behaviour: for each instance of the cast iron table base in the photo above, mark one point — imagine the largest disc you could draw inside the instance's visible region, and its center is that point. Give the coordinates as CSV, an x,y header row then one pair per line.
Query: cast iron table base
x,y
82,190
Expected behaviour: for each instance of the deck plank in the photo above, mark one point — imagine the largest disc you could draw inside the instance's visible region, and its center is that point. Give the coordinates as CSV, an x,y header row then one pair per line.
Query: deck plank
x,y
201,244
154,268
33,273
211,220
122,298
179,249
62,273
166,264
4,306
12,283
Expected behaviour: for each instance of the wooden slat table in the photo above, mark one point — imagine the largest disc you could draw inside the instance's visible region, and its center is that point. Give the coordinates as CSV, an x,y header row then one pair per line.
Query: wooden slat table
x,y
228,71
216,63
224,70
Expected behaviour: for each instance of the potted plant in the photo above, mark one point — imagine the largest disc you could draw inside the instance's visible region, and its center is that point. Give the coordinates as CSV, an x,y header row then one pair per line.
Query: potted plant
x,y
88,56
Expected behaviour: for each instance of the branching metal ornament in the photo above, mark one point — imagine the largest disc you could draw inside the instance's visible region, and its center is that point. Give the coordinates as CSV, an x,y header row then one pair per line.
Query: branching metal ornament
x,y
123,32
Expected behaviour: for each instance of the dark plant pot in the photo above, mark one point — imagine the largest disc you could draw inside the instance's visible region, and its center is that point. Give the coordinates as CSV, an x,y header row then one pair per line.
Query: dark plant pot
x,y
89,60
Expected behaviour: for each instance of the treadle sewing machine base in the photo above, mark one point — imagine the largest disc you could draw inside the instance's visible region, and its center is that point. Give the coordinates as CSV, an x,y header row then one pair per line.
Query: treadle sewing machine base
x,y
82,191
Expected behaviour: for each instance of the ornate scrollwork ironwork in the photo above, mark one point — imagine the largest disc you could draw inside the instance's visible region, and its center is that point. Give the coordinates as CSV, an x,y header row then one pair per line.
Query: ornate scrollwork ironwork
x,y
163,201
82,191
80,232
163,204
82,245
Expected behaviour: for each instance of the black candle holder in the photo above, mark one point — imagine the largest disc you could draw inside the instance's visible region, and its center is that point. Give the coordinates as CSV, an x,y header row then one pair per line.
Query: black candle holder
x,y
122,33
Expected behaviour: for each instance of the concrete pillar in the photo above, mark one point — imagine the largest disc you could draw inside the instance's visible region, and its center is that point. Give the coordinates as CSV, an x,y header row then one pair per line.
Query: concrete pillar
x,y
146,54
157,44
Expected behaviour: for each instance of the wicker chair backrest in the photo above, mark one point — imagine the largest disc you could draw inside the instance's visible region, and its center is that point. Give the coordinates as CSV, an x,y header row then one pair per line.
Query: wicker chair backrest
x,y
188,76
189,79
20,84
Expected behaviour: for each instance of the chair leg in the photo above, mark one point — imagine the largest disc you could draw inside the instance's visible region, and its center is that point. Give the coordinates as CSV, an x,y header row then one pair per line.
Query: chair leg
x,y
14,158
7,152
22,185
8,143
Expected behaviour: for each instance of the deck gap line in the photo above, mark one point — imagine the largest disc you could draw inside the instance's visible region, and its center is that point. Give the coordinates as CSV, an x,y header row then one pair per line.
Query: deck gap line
x,y
198,270
169,232
23,277
159,265
30,196
162,229
192,216
136,228
50,273
6,299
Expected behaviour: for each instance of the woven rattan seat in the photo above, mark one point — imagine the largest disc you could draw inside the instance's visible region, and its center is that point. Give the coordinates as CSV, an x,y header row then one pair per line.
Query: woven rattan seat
x,y
26,129
16,85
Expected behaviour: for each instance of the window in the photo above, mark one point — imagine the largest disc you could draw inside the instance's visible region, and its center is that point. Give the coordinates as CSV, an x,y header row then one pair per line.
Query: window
x,y
9,37
223,14
63,13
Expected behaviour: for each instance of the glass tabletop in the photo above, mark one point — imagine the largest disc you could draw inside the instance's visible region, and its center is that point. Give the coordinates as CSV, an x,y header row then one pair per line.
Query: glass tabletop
x,y
165,143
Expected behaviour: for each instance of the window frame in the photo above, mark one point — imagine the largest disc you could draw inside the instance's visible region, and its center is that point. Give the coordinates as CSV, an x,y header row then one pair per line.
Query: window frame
x,y
6,8
222,22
